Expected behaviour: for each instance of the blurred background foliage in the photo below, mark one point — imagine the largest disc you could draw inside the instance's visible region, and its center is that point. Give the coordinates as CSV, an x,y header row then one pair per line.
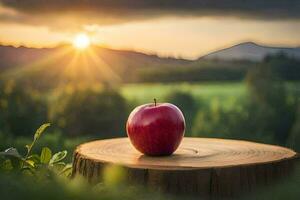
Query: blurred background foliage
x,y
263,107
14,186
89,111
22,111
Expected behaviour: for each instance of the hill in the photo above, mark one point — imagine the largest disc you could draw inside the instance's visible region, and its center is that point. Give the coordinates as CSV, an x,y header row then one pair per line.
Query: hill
x,y
23,57
67,64
251,51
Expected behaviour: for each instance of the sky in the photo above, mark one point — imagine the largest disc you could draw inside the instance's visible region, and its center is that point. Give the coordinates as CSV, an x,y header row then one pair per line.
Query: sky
x,y
179,28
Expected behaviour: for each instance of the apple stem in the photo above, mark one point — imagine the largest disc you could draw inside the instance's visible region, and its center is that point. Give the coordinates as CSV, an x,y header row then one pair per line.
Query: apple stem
x,y
154,102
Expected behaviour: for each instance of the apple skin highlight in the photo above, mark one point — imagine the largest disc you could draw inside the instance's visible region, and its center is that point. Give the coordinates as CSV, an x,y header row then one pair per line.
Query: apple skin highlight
x,y
156,129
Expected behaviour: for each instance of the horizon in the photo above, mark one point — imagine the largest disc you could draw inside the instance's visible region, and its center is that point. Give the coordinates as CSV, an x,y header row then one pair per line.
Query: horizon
x,y
69,44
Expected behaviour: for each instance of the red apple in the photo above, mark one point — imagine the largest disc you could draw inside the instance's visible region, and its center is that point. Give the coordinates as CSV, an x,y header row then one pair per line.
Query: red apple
x,y
156,129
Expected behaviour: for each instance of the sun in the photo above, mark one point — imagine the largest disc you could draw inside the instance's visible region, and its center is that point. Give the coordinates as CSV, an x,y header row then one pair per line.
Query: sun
x,y
81,41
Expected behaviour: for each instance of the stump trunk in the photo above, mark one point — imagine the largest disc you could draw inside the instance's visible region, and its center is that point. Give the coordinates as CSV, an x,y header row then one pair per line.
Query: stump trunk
x,y
205,167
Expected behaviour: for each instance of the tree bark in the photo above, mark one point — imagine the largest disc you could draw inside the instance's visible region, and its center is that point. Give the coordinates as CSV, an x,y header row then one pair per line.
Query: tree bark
x,y
209,168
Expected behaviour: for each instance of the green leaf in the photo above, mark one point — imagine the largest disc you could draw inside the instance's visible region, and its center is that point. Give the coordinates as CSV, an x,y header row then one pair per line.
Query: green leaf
x,y
35,158
30,163
40,130
11,152
37,135
58,157
67,170
59,166
46,155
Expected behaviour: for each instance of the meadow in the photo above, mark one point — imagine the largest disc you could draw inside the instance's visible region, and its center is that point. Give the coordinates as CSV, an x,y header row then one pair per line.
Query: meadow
x,y
144,93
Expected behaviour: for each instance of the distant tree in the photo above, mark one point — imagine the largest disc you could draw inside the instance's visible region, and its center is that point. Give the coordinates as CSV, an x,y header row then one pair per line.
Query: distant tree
x,y
192,74
90,112
269,107
234,123
187,104
21,111
285,67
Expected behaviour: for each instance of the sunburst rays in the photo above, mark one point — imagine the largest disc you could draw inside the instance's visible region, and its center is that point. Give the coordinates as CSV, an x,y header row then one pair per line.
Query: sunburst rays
x,y
37,65
67,65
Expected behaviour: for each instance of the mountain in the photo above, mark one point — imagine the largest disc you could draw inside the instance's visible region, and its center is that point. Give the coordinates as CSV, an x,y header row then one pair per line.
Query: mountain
x,y
250,51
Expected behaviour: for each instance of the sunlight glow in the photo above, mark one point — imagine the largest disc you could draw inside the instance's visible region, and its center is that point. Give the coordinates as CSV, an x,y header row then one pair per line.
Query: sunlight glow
x,y
77,69
81,41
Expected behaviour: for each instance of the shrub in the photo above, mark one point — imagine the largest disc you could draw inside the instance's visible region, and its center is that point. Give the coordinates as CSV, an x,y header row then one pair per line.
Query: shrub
x,y
31,164
233,123
90,112
266,115
269,106
21,111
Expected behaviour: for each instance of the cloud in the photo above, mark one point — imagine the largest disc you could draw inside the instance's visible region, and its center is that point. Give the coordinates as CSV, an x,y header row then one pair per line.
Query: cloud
x,y
76,12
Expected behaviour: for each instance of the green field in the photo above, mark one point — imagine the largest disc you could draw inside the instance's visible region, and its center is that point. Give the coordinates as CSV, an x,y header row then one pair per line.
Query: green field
x,y
146,92
227,93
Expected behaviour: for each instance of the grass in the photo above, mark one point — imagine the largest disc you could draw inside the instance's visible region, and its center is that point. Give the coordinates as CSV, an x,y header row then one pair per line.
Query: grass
x,y
227,94
144,93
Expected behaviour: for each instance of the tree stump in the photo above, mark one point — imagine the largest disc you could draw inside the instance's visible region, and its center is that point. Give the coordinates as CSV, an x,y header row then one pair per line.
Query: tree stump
x,y
200,166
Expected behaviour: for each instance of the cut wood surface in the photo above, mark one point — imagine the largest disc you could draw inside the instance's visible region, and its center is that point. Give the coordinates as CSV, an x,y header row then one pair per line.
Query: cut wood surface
x,y
202,166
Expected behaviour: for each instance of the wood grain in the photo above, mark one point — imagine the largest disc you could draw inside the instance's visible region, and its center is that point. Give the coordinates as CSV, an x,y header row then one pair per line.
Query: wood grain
x,y
201,166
